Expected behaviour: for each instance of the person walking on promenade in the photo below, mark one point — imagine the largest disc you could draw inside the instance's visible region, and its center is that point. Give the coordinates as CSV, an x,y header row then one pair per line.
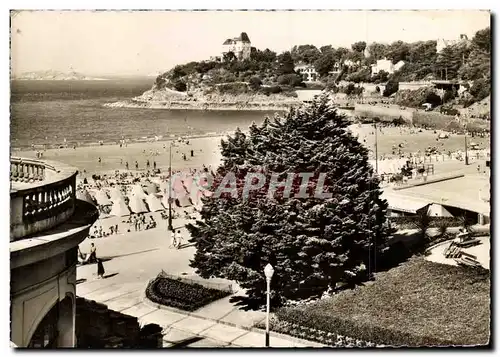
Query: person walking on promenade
x,y
173,236
100,269
179,239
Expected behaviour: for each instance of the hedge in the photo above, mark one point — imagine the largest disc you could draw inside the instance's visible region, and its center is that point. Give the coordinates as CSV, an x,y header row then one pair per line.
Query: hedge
x,y
435,222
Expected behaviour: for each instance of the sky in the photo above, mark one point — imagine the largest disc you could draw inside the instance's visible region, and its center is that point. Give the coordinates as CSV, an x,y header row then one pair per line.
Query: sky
x,y
150,42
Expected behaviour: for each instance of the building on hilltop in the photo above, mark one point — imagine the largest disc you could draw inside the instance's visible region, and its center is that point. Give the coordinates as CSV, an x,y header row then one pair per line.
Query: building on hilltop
x,y
307,71
441,43
387,66
47,222
240,46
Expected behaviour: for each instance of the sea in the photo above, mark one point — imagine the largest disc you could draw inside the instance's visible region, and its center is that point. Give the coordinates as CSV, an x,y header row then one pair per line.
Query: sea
x,y
57,113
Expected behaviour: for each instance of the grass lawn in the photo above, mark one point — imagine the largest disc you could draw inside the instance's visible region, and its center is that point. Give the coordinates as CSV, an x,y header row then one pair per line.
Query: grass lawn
x,y
418,303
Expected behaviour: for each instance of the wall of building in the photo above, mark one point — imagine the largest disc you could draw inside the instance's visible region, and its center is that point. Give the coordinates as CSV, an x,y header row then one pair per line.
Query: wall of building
x,y
99,327
35,290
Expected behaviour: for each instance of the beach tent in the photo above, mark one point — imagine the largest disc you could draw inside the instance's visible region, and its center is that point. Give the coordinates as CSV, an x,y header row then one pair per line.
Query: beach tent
x,y
137,191
151,188
116,194
154,203
183,201
119,209
443,136
84,195
137,205
102,198
437,210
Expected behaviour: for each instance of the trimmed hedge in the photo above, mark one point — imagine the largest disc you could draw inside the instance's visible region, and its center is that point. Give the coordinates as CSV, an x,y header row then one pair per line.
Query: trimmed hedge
x,y
411,221
181,295
313,334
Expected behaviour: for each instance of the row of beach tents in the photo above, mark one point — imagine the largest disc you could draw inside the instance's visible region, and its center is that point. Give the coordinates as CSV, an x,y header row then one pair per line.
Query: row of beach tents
x,y
140,200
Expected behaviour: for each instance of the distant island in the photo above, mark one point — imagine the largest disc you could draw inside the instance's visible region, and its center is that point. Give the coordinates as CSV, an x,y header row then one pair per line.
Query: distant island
x,y
56,76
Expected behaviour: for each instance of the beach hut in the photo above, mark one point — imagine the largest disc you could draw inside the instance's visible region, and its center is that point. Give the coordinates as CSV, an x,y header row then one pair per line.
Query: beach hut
x,y
84,195
437,210
119,209
102,198
138,191
137,204
154,203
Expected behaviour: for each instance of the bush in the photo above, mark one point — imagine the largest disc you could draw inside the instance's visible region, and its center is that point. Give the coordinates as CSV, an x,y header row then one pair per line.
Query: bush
x,y
391,87
255,83
292,80
434,222
180,86
181,295
271,90
233,88
433,99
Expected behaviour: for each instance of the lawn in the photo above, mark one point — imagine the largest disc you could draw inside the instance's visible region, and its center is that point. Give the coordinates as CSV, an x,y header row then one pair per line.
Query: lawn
x,y
418,303
180,294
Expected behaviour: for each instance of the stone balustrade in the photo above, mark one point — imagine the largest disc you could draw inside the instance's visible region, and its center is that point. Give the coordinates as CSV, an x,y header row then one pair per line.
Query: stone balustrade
x,y
45,199
27,170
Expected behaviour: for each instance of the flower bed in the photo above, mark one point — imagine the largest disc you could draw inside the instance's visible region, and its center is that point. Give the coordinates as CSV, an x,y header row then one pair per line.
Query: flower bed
x,y
181,295
419,303
312,334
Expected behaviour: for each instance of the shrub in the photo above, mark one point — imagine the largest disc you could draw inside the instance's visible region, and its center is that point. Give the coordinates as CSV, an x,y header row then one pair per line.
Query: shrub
x,y
271,90
180,86
391,87
181,295
292,80
255,83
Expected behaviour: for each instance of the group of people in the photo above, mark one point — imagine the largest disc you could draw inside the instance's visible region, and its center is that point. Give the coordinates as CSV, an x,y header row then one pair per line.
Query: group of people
x,y
100,233
138,222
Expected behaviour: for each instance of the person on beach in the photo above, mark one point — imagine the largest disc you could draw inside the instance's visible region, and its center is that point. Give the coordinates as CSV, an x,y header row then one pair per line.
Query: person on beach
x,y
99,160
147,164
154,165
136,165
126,165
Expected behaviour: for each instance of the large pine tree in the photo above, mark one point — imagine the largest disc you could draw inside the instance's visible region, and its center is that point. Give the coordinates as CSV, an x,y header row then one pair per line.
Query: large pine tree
x,y
312,243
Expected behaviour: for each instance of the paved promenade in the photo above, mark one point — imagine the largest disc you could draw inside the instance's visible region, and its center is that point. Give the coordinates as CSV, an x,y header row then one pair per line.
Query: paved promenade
x,y
132,259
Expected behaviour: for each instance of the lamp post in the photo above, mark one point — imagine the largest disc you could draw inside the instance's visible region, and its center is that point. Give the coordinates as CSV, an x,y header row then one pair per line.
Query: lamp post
x,y
268,272
170,227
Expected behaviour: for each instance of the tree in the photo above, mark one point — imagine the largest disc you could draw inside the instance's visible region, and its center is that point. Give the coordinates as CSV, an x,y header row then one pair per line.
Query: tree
x,y
229,57
180,85
398,51
359,46
285,63
391,87
292,80
482,40
305,53
377,50
325,63
312,243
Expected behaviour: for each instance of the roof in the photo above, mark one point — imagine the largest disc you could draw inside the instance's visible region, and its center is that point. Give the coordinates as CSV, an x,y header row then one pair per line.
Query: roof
x,y
403,203
228,42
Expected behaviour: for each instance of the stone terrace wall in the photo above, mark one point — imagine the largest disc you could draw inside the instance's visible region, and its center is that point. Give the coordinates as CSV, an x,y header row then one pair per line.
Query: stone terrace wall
x,y
99,327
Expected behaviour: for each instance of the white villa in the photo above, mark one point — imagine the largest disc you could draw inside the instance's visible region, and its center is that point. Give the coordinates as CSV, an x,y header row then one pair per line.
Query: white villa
x,y
307,71
240,46
387,66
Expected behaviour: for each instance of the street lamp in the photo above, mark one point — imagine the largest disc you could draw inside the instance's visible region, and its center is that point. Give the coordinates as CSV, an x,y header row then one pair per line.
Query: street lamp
x,y
170,227
268,272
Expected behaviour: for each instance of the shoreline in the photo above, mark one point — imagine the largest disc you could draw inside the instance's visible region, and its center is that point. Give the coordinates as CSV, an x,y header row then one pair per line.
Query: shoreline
x,y
210,106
